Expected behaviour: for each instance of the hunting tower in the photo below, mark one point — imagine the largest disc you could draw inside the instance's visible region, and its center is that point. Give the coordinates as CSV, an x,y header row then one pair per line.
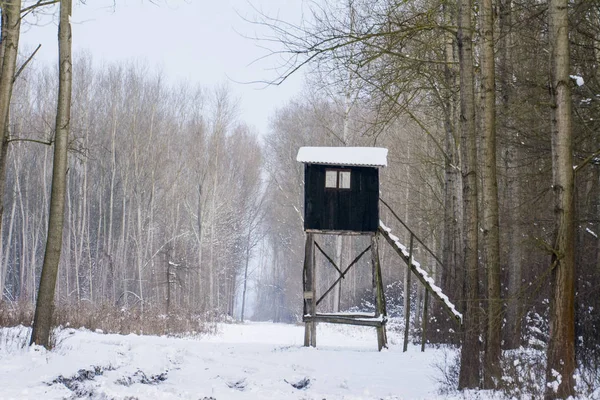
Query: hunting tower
x,y
341,197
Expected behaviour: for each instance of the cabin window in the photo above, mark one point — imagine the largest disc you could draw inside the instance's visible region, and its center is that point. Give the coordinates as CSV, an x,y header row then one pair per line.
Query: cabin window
x,y
331,178
337,179
344,179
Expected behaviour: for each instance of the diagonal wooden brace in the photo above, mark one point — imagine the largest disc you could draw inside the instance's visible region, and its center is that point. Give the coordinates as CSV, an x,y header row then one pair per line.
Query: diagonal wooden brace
x,y
328,258
343,274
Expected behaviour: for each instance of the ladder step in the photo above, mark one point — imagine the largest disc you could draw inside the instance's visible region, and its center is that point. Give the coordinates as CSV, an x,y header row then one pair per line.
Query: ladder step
x,y
349,315
420,273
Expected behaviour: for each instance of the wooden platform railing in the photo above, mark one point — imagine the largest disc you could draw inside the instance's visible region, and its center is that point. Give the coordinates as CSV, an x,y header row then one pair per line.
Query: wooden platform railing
x,y
348,319
420,273
406,254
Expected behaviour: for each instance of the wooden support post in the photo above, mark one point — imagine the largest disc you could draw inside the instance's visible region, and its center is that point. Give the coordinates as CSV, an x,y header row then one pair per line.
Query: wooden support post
x,y
379,295
311,301
418,300
313,304
308,281
407,295
424,322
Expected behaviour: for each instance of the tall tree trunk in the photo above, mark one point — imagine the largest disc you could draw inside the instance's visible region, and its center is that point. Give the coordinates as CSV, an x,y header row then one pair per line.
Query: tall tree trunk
x,y
7,248
211,266
512,195
72,216
489,222
11,28
45,302
121,258
140,254
469,376
561,348
20,243
246,271
83,225
9,48
409,239
452,235
200,294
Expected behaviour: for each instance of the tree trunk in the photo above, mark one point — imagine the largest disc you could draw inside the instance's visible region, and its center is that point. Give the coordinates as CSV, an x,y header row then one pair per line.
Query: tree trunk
x,y
406,302
489,223
246,272
469,376
199,221
561,348
11,28
45,302
6,254
211,266
452,236
513,235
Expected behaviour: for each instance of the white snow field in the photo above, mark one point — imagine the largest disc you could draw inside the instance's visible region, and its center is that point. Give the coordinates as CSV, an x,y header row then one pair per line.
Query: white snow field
x,y
242,361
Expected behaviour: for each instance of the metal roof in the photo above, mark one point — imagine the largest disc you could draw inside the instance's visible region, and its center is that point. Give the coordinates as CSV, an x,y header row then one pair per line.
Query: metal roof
x,y
347,156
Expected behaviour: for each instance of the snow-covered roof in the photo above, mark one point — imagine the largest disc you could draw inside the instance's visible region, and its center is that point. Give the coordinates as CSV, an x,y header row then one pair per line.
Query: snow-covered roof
x,y
360,156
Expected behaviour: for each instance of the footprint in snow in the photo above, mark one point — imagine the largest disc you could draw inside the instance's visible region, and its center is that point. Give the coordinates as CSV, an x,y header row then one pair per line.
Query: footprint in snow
x,y
237,385
301,384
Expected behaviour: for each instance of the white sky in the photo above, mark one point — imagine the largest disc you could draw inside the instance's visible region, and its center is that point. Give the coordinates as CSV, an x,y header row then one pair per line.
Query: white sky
x,y
197,40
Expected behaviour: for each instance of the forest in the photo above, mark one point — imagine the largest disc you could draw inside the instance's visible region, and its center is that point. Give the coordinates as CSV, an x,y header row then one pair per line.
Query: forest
x,y
178,214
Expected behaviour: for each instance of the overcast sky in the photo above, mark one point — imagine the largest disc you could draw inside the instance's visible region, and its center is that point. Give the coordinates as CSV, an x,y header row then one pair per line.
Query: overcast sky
x,y
197,40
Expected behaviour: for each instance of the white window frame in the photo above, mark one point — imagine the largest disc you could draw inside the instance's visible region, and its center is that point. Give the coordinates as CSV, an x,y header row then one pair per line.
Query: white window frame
x,y
331,179
344,183
338,173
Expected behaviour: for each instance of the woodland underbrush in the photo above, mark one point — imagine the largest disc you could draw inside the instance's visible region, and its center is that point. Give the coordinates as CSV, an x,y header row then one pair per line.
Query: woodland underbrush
x,y
523,377
524,368
111,319
441,329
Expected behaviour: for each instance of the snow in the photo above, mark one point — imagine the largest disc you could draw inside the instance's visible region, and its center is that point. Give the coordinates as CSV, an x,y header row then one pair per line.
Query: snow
x,y
588,230
578,79
345,156
242,361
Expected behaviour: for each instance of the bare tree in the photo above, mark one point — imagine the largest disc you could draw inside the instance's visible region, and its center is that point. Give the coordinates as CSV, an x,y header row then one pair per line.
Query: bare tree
x,y
255,214
45,301
9,49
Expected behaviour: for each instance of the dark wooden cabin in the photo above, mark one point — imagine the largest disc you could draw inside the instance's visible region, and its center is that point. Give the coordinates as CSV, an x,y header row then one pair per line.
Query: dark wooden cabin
x,y
341,188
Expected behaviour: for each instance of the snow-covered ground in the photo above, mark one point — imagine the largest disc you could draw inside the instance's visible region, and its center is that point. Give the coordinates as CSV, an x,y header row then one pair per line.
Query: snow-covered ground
x,y
242,361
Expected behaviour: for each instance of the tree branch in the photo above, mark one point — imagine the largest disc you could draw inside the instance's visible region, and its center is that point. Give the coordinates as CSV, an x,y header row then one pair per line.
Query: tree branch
x,y
40,3
587,160
29,140
26,62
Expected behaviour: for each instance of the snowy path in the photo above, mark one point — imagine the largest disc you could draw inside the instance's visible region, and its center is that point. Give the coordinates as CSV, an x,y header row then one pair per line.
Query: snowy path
x,y
245,361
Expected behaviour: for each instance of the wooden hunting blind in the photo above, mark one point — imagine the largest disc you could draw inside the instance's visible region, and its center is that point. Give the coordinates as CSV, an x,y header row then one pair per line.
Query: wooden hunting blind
x,y
341,188
341,197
